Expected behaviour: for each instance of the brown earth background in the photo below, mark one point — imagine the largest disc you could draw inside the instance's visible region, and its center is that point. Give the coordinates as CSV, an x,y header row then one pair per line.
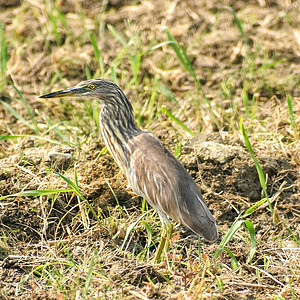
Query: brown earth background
x,y
59,242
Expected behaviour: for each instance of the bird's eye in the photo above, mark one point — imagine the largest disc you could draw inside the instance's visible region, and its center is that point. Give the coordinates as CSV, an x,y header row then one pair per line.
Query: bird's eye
x,y
91,86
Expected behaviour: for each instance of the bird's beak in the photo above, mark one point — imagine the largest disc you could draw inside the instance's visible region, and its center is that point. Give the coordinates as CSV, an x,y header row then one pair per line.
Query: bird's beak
x,y
63,93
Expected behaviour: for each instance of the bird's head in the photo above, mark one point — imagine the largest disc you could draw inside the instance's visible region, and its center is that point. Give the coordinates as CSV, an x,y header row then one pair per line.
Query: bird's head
x,y
104,90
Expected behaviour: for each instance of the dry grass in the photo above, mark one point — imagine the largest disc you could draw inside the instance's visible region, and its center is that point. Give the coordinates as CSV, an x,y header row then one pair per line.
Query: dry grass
x,y
67,240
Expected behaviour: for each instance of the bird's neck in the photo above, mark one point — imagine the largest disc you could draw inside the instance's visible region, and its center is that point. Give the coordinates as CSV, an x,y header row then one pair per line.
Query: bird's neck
x,y
118,126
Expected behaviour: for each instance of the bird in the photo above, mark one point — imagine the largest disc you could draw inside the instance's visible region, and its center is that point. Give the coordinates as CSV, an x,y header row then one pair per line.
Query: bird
x,y
151,170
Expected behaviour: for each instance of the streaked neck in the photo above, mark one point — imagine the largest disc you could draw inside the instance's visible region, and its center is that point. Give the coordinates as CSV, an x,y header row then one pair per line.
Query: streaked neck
x,y
118,126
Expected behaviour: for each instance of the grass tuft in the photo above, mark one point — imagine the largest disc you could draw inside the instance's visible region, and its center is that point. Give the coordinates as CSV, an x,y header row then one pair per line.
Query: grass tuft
x,y
184,59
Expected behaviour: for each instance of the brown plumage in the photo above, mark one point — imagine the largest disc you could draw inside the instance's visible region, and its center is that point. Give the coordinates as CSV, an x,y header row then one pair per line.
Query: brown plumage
x,y
155,174
151,170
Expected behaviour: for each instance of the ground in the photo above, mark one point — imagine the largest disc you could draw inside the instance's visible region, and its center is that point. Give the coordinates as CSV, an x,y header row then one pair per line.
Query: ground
x,y
217,83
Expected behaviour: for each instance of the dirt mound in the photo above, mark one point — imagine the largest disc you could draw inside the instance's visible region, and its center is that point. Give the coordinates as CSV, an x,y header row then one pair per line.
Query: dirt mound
x,y
98,239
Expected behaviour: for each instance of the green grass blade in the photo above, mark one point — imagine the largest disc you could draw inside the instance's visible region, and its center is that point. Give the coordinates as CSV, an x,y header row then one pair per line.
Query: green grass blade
x,y
135,62
147,108
246,101
192,72
43,267
156,47
278,297
260,172
3,58
190,68
71,184
29,110
152,100
88,73
235,226
113,192
97,53
167,93
173,118
251,209
7,137
251,230
66,250
234,263
292,233
37,193
254,107
58,132
76,190
102,151
89,277
244,37
238,24
184,59
248,145
75,175
130,228
265,66
291,114
55,29
113,74
16,115
61,17
177,147
116,35
149,233
149,244
173,44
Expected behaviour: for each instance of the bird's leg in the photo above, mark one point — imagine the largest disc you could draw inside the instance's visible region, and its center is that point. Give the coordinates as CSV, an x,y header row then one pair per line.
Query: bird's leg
x,y
169,232
165,239
161,246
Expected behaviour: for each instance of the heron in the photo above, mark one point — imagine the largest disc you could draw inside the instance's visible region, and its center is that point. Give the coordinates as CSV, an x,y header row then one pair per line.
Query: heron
x,y
151,170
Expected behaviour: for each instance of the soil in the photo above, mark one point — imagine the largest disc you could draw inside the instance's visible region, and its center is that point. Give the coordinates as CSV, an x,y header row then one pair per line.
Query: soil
x,y
56,230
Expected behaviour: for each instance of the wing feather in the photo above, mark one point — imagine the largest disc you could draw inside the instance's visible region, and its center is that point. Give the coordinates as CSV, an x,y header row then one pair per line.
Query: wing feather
x,y
156,175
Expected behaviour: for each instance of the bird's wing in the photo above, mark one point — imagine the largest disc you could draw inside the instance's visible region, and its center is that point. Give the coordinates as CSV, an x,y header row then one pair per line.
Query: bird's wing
x,y
158,176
